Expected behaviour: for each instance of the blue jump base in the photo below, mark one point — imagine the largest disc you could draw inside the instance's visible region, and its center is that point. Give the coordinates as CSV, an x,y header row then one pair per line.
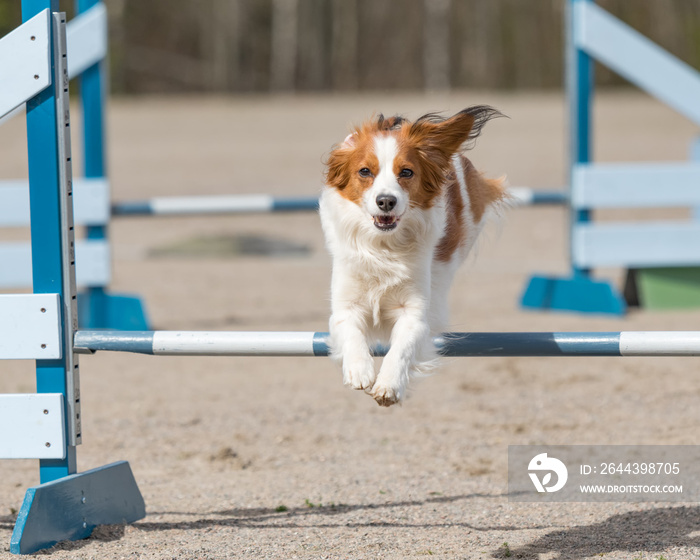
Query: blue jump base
x,y
98,309
577,293
71,507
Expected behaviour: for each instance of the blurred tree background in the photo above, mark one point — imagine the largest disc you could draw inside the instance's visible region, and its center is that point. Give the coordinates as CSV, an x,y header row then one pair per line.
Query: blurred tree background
x,y
344,45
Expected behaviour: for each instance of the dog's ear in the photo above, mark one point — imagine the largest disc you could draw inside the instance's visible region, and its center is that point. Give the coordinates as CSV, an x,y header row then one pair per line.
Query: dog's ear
x,y
337,165
338,161
437,139
350,140
447,136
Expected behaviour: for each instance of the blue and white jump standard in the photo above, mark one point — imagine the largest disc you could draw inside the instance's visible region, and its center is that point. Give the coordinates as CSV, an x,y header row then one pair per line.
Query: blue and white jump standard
x,y
98,308
87,52
593,34
40,326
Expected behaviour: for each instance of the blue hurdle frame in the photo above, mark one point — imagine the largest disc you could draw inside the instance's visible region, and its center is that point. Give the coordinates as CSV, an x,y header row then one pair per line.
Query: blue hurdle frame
x,y
65,505
97,307
580,291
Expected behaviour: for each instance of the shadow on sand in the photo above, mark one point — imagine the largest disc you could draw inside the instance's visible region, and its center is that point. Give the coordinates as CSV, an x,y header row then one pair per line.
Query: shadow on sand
x,y
650,531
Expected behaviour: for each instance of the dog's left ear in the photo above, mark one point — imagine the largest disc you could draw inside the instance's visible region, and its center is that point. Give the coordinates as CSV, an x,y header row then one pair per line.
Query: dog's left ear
x,y
447,136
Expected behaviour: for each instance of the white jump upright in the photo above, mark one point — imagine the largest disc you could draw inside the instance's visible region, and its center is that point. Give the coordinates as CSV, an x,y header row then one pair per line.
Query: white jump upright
x,y
40,326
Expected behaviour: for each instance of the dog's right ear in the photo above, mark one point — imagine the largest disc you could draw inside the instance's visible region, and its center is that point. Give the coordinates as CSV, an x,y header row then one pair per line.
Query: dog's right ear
x,y
350,140
337,174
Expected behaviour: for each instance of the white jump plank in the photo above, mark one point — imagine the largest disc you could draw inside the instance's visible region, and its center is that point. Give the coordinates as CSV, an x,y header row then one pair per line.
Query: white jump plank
x,y
29,327
32,426
92,261
636,245
87,45
637,59
636,185
25,65
91,205
87,39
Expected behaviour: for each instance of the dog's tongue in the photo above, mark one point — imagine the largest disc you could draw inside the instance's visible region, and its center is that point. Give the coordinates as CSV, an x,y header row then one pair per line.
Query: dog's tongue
x,y
385,220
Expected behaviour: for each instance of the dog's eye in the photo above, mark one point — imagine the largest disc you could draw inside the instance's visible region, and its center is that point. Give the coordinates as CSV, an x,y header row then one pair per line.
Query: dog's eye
x,y
406,173
365,172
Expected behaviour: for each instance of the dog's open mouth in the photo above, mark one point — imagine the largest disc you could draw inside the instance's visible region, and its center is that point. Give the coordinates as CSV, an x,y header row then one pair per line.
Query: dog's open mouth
x,y
386,222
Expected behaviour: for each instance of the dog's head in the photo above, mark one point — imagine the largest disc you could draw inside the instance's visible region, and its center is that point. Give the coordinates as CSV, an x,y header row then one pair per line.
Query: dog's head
x,y
390,165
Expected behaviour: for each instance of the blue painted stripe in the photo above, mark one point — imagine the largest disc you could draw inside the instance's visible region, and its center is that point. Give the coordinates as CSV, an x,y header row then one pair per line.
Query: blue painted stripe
x,y
295,204
320,344
528,344
134,208
549,197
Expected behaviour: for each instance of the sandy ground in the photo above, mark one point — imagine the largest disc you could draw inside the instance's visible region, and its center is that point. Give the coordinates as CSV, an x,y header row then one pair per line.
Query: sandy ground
x,y
274,458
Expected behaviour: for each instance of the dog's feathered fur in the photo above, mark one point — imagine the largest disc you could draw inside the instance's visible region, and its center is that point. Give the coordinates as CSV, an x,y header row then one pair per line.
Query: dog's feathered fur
x,y
401,209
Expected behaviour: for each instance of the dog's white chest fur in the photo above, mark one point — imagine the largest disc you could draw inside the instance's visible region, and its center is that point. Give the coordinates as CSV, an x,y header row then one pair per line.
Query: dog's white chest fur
x,y
378,275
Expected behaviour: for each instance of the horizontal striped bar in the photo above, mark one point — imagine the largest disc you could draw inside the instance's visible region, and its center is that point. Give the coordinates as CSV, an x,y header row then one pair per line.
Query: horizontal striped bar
x,y
636,244
541,344
231,204
526,196
260,203
636,185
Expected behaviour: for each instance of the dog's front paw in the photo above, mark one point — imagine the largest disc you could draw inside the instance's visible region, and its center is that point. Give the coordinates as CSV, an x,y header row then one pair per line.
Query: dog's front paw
x,y
358,372
386,395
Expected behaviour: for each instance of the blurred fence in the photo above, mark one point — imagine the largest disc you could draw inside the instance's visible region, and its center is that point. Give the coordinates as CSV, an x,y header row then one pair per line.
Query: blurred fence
x,y
287,45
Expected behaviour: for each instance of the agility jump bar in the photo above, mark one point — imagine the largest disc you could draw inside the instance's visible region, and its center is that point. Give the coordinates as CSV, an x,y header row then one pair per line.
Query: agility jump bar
x,y
523,344
262,203
225,204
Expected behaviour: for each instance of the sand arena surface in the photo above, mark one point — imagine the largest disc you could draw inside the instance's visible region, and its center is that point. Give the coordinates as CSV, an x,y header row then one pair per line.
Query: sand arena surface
x,y
274,458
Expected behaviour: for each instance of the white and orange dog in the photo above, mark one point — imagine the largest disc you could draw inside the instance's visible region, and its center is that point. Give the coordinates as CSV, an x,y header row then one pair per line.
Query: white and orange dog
x,y
401,209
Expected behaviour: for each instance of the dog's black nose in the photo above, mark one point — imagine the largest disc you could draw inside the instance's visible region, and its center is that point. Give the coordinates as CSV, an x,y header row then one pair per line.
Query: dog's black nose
x,y
386,202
